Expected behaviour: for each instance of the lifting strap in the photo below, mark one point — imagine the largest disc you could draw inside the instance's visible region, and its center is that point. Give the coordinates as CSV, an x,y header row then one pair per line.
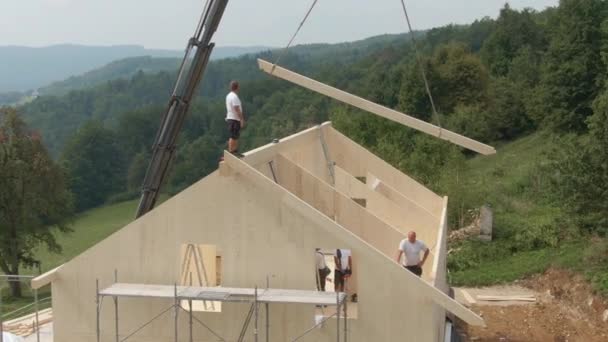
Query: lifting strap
x,y
421,65
416,49
294,35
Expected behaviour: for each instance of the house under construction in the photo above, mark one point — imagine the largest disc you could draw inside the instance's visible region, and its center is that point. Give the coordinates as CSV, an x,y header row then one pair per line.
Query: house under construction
x,y
232,257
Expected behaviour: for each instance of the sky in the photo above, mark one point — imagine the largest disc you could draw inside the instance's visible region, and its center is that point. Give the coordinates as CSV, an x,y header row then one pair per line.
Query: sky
x,y
167,24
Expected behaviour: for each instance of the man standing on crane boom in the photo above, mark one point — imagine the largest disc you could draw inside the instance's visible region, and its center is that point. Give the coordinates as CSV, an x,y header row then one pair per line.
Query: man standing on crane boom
x,y
234,118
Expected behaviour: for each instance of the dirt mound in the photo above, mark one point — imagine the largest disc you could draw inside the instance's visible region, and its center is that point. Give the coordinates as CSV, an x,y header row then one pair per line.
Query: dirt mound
x,y
570,289
566,311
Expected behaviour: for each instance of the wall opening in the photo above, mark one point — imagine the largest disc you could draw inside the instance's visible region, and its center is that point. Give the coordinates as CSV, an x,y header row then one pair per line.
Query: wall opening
x,y
336,270
361,201
201,265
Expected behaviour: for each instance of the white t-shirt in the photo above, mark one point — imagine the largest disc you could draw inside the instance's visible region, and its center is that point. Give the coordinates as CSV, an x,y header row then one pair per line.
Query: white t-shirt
x,y
345,253
412,251
232,100
320,260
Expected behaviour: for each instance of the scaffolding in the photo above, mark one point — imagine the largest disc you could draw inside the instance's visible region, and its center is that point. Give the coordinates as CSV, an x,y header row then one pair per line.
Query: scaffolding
x,y
254,296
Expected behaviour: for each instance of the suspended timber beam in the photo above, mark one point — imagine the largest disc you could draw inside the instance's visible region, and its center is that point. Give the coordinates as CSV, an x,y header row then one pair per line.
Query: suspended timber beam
x,y
374,108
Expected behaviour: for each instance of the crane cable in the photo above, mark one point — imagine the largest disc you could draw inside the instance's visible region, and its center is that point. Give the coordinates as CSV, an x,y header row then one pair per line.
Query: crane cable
x,y
414,41
293,37
421,65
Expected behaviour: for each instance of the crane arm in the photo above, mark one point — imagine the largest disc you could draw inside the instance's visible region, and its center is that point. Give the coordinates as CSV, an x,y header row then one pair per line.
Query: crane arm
x,y
190,73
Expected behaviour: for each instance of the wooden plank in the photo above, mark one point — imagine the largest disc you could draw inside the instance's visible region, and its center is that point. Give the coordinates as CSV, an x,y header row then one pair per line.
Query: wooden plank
x,y
374,108
522,298
468,297
376,184
358,161
45,279
396,271
266,153
440,258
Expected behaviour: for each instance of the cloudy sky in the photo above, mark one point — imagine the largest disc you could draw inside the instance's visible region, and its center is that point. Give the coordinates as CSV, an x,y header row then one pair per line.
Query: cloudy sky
x,y
168,23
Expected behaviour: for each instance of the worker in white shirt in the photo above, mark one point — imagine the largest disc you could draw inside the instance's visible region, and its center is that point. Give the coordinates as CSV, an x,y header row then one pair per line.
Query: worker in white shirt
x,y
322,270
234,118
412,248
343,271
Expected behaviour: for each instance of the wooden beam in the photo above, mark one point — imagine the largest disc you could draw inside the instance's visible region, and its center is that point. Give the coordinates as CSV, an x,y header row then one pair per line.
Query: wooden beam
x,y
46,278
468,297
376,184
520,298
267,152
374,108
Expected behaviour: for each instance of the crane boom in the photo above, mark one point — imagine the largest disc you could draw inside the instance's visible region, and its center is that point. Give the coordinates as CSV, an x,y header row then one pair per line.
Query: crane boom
x,y
188,78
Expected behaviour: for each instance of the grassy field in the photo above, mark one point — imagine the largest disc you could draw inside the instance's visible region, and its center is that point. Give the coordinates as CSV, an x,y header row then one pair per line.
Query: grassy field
x,y
89,228
531,232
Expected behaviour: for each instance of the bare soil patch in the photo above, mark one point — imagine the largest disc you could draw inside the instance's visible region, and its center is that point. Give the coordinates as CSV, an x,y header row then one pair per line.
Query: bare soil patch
x,y
566,310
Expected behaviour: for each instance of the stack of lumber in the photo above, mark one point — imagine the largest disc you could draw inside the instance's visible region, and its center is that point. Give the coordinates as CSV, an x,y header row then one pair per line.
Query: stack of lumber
x,y
26,325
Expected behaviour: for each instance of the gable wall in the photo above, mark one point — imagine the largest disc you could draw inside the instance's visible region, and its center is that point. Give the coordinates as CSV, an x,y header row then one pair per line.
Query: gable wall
x,y
259,232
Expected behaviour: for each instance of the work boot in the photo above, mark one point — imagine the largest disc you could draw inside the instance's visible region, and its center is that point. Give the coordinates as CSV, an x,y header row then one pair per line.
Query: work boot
x,y
237,154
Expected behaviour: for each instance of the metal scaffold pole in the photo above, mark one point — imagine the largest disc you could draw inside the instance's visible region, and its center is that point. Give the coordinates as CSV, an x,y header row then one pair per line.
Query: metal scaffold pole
x,y
338,316
267,312
37,317
345,318
116,308
176,312
190,311
1,323
97,302
255,309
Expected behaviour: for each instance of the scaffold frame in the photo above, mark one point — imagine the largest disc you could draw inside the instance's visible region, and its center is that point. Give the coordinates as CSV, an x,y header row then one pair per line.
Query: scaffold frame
x,y
254,296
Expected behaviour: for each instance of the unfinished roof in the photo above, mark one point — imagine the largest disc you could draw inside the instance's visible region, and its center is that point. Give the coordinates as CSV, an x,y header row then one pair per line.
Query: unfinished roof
x,y
322,169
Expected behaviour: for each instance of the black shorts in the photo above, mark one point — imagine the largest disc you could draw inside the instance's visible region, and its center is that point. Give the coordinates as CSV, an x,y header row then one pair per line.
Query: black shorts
x,y
417,270
338,278
234,128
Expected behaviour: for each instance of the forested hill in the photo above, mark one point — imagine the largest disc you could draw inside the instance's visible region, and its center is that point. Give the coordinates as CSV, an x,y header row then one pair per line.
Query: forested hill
x,y
493,80
120,69
28,68
133,84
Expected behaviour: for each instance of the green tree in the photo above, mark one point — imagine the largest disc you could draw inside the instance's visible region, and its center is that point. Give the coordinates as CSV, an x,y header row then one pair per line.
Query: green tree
x,y
573,72
581,178
95,165
136,129
509,118
137,171
456,78
34,200
193,162
513,31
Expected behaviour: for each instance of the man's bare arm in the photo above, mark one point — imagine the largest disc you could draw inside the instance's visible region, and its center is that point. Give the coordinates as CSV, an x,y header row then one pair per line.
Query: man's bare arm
x,y
399,253
237,109
426,254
